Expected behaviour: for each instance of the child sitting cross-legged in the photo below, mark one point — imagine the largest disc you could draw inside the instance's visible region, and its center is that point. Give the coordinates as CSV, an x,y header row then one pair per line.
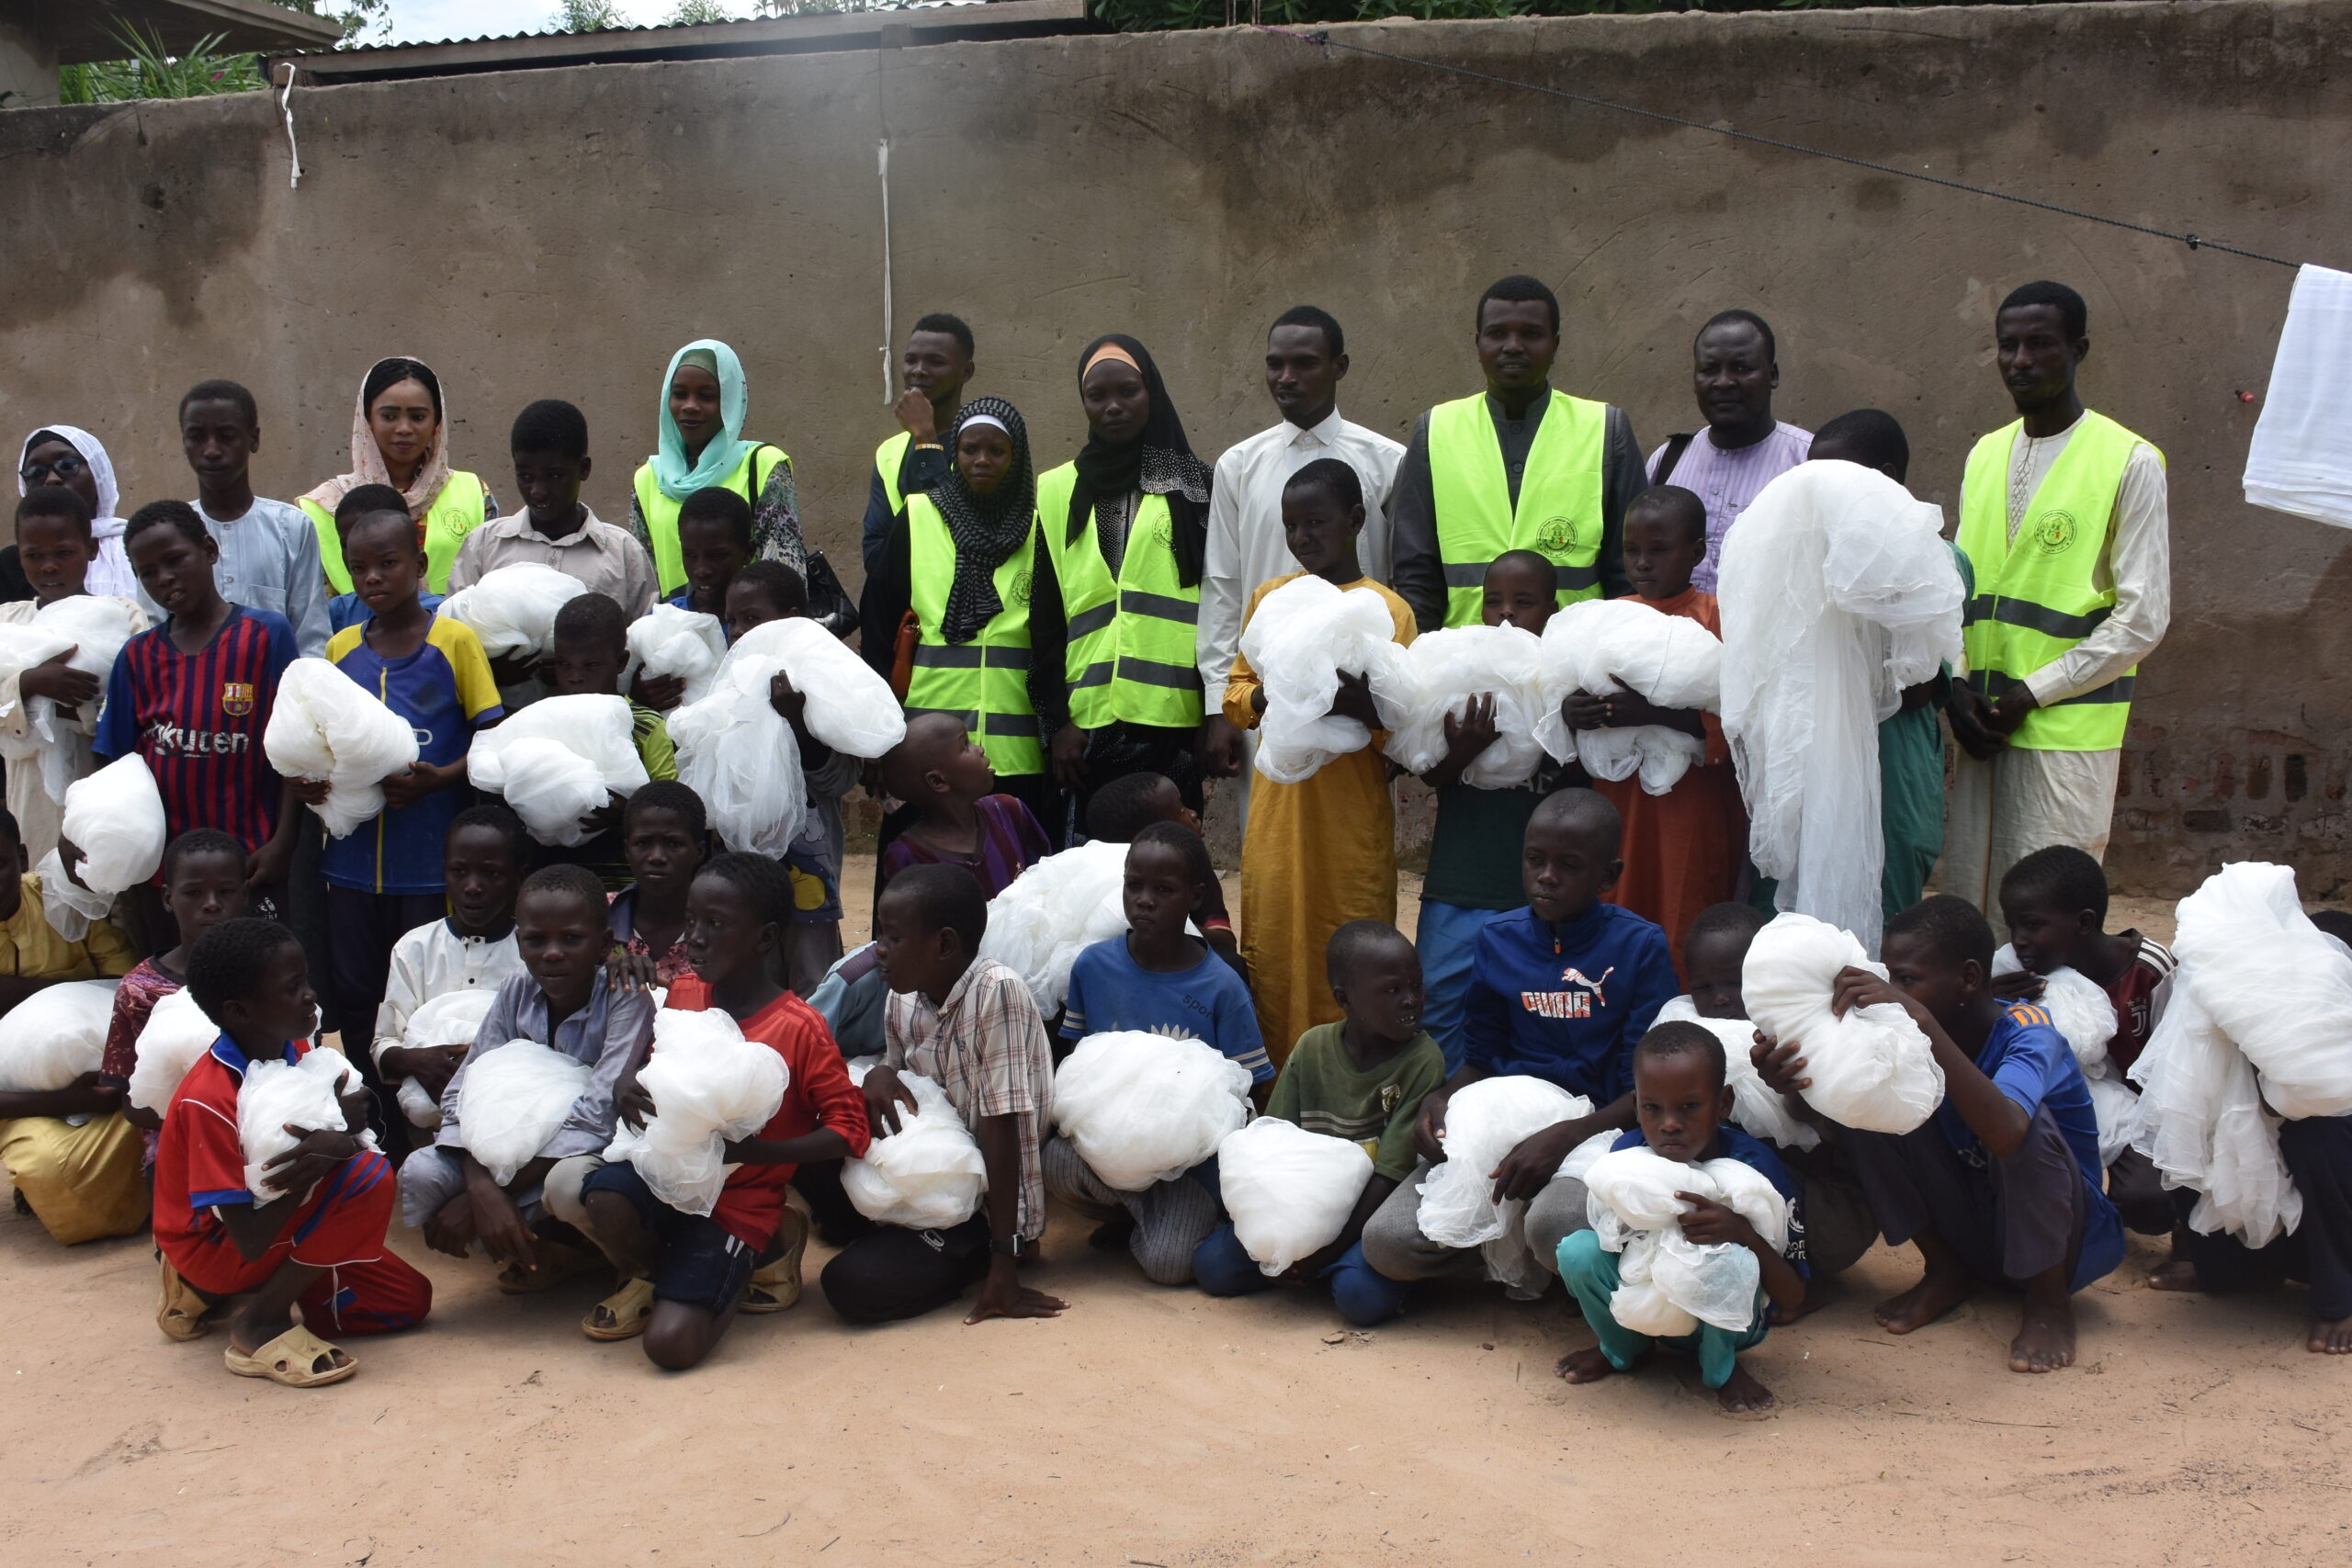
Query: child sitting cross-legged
x,y
1363,1079
970,1025
2002,1184
563,1000
312,1239
1681,1103
689,1274
484,857
70,1154
1160,978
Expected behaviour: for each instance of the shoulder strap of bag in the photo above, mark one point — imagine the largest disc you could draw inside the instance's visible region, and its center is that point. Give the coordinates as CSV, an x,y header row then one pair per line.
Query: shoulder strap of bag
x,y
1670,459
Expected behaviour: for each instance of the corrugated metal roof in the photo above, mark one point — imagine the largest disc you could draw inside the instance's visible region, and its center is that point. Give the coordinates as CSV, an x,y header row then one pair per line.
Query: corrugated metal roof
x,y
925,21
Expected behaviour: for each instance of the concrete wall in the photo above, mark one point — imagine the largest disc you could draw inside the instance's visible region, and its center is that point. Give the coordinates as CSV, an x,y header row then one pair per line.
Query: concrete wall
x,y
559,232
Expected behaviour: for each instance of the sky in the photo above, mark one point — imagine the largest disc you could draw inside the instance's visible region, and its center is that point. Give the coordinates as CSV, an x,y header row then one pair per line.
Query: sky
x,y
423,21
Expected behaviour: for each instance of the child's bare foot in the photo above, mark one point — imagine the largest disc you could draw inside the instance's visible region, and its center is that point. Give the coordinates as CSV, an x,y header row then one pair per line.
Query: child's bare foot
x,y
1589,1365
1937,1292
2045,1340
1743,1396
1813,1302
2330,1338
2173,1274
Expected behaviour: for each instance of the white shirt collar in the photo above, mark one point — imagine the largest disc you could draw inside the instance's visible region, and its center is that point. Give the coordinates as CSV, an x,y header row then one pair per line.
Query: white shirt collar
x,y
1324,434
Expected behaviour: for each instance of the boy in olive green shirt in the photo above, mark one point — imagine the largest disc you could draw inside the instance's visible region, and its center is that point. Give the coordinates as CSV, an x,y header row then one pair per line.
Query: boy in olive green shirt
x,y
1363,1079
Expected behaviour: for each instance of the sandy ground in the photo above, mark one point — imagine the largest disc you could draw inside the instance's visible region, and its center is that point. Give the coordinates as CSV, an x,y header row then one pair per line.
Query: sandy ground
x,y
1151,1427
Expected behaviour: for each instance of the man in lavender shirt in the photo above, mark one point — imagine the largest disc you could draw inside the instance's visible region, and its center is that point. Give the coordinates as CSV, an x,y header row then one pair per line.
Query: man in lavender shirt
x,y
1742,448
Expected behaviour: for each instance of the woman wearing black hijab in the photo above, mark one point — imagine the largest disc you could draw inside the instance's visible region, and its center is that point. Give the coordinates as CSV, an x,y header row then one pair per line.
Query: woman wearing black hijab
x,y
1121,532
952,581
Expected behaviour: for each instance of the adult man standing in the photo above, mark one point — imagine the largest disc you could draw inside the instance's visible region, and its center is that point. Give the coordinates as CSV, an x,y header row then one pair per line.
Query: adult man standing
x,y
1306,358
1518,466
936,366
1735,369
2062,519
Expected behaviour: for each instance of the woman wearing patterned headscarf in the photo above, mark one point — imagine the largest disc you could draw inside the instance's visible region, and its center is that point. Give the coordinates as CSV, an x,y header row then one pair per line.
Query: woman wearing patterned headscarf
x,y
953,577
400,437
704,403
1122,529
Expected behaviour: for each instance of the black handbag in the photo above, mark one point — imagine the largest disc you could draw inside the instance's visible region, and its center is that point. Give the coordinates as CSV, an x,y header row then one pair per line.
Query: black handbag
x,y
829,604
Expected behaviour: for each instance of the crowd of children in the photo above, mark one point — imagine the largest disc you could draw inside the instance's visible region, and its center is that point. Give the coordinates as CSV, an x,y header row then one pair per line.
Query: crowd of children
x,y
1038,628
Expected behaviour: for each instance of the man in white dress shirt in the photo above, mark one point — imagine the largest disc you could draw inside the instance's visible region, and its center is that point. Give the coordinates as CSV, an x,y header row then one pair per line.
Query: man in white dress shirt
x,y
1306,358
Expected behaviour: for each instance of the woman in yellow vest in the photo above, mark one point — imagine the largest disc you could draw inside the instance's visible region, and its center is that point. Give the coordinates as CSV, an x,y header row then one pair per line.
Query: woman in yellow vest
x,y
1122,529
704,401
954,570
400,437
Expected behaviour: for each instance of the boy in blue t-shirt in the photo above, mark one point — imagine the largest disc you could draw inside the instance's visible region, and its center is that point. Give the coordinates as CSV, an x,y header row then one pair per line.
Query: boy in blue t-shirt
x,y
1559,991
1159,977
1681,1103
384,878
2003,1184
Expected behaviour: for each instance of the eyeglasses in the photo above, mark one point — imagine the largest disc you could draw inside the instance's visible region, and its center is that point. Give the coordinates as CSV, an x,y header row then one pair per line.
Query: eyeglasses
x,y
57,469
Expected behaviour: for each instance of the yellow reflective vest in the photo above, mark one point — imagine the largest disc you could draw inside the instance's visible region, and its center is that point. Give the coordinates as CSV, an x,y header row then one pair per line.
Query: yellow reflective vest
x,y
985,682
1133,655
1559,513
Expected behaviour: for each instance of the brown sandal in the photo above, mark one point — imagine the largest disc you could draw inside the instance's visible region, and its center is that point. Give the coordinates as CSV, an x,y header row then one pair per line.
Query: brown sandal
x,y
775,1287
621,1316
182,1314
292,1359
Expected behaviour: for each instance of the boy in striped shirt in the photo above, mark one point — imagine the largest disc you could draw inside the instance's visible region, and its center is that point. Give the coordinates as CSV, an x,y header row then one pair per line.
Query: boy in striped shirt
x,y
193,696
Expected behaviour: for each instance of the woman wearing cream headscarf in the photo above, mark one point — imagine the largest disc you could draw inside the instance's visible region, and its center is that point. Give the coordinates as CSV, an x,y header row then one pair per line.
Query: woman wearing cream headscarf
x,y
702,447
63,454
400,437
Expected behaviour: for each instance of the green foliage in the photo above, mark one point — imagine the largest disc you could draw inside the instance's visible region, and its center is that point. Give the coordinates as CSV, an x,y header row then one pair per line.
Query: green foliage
x,y
691,12
588,17
153,72
357,19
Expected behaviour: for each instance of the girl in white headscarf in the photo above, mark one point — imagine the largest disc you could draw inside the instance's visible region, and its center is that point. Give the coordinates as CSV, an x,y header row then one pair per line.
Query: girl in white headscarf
x,y
63,454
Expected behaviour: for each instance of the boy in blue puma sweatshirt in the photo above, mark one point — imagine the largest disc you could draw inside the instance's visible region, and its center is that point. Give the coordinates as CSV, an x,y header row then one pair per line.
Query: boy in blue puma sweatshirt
x,y
1560,990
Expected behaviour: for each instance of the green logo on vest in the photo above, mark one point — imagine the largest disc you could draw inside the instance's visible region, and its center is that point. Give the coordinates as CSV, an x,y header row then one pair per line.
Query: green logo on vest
x,y
1021,585
1557,538
2054,532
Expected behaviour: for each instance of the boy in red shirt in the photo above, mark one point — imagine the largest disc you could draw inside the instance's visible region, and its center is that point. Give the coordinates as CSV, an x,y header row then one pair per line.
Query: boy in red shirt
x,y
691,1273
314,1237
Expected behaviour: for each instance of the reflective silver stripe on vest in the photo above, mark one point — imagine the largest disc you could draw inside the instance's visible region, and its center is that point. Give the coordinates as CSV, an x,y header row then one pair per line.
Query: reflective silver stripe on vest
x,y
1570,578
969,656
1017,725
2033,617
1995,683
1096,675
1087,622
1159,605
1149,673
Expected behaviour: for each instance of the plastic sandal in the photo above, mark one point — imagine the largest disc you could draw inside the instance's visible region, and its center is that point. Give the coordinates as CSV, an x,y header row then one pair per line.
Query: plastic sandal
x,y
625,1312
181,1315
775,1287
291,1358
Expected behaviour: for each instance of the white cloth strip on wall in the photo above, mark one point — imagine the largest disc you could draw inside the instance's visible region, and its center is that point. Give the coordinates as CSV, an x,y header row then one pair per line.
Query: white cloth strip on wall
x,y
2298,461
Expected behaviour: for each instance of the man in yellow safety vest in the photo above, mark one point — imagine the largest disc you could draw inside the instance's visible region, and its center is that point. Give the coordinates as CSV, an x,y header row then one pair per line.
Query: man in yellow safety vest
x,y
2062,519
936,366
1518,466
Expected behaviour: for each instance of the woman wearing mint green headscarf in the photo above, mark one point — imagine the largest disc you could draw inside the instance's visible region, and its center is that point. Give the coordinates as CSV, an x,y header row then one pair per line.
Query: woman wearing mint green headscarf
x,y
702,447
